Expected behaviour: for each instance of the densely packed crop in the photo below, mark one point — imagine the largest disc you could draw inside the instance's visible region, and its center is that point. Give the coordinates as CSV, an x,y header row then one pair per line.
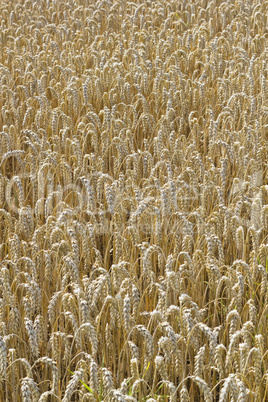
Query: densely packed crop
x,y
133,200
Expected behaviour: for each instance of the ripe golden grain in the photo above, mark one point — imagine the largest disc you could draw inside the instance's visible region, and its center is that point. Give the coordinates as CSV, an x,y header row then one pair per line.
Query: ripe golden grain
x,y
133,200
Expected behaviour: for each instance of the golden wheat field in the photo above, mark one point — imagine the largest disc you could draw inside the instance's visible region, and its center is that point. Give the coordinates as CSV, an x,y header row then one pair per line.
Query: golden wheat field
x,y
133,200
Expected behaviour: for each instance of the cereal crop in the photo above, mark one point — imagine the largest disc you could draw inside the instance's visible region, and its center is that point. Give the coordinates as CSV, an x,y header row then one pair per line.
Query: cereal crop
x,y
133,200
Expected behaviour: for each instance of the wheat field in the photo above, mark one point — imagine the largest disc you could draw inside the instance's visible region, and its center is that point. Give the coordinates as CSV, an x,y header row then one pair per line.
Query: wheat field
x,y
133,200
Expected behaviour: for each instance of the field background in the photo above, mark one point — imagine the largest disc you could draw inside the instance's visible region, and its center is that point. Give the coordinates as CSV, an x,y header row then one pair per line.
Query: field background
x,y
133,200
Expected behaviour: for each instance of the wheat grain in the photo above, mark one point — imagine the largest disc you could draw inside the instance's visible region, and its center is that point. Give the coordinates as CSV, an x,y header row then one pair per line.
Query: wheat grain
x,y
133,196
